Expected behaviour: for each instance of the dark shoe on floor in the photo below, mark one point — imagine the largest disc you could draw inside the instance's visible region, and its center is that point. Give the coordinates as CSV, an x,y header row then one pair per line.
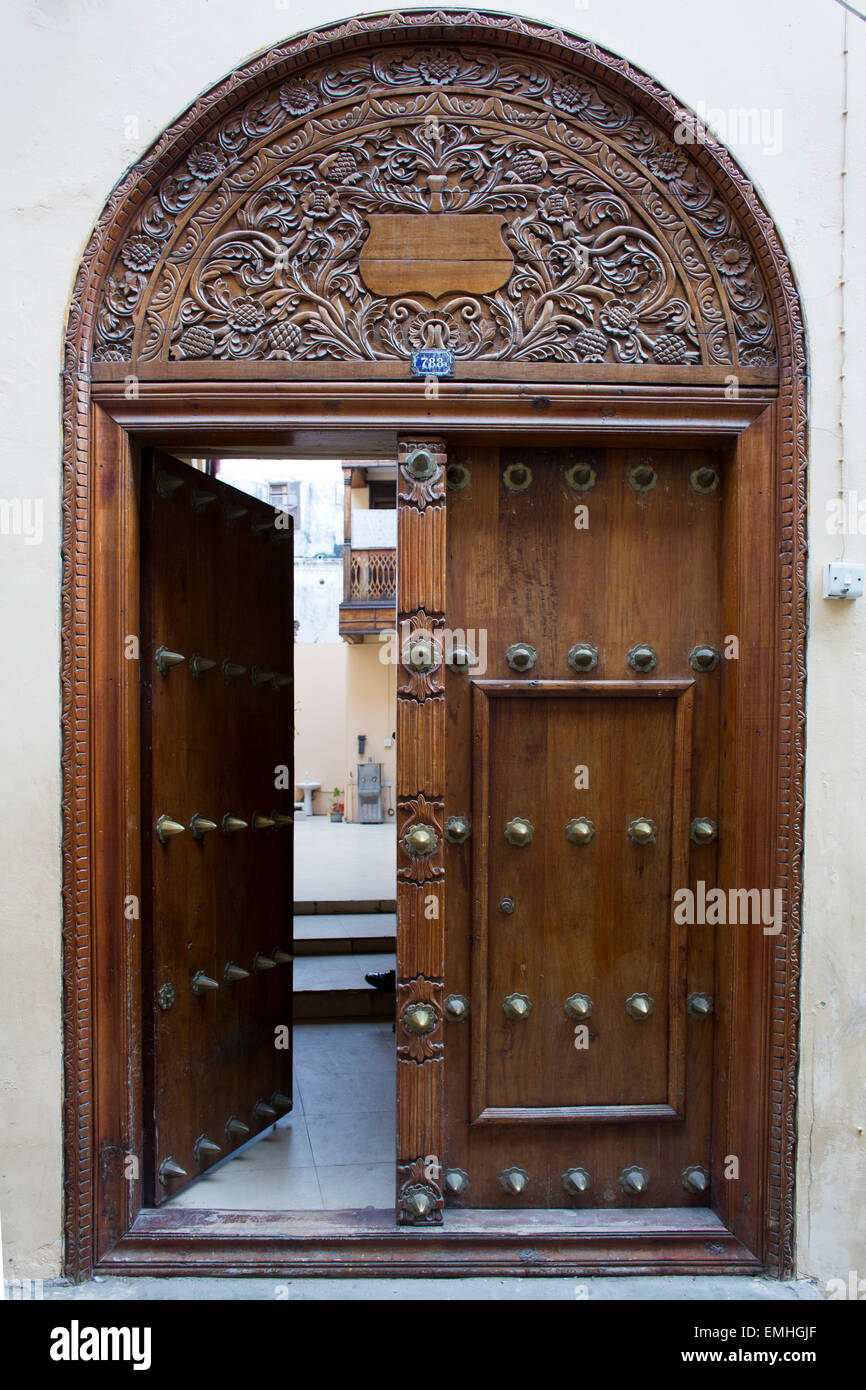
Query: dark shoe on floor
x,y
384,980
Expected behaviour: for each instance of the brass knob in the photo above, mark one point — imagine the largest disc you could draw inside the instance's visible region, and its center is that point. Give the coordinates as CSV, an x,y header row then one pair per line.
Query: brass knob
x,y
703,658
456,1181
458,829
517,477
696,1178
200,826
513,1181
418,1204
582,657
699,1005
704,479
521,656
579,831
506,906
642,658
642,477
166,659
457,477
580,477
421,655
421,465
166,829
202,983
578,1007
642,831
456,1007
576,1181
634,1179
419,1019
519,831
639,1006
517,1007
459,659
704,830
421,841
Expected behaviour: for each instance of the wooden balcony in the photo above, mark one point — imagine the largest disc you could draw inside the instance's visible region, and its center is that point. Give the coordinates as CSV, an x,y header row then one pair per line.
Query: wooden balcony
x,y
369,592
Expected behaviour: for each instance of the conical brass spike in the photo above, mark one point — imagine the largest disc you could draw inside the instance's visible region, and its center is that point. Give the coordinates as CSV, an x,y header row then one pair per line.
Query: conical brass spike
x,y
231,824
167,484
260,527
170,1168
262,822
200,664
205,1148
233,973
263,1111
260,677
513,1180
166,828
165,659
231,670
280,820
233,513
200,499
236,1129
262,962
281,1101
200,826
281,957
281,680
202,983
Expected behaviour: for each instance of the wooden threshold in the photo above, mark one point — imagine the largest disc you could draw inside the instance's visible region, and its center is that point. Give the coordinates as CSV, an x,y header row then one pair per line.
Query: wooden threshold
x,y
662,1240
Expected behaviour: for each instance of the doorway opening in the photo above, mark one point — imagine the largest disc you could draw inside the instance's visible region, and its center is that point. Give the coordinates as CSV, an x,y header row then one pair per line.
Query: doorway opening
x,y
333,1147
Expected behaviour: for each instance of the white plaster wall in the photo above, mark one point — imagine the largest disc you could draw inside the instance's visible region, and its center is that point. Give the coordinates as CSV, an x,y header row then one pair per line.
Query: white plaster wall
x,y
77,75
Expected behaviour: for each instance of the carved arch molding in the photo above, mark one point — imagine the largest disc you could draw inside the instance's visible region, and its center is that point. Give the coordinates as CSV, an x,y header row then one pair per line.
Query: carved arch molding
x,y
248,234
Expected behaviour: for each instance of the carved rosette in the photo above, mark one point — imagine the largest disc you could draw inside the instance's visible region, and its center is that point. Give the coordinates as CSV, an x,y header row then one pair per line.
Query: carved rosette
x,y
421,492
418,868
419,1019
419,685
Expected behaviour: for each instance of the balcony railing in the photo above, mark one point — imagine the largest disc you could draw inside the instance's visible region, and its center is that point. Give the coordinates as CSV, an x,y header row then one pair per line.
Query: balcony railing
x,y
373,576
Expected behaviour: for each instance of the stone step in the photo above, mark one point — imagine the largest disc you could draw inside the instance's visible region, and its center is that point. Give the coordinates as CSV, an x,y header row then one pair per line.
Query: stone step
x,y
333,986
344,906
345,933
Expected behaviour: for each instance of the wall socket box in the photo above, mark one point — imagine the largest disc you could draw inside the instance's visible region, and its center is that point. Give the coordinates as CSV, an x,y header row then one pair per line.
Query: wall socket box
x,y
842,580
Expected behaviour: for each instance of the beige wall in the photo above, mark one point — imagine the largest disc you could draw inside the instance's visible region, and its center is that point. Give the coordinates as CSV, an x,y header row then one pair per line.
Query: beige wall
x,y
87,86
371,710
320,717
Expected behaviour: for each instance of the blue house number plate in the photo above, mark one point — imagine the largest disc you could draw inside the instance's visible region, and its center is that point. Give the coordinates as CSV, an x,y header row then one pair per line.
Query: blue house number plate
x,y
433,362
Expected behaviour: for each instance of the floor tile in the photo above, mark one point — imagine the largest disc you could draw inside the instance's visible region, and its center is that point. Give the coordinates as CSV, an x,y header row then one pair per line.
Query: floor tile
x,y
341,1139
357,1185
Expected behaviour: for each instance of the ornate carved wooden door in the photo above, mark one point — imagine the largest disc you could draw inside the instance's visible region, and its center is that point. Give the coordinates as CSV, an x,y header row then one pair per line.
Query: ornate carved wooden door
x,y
582,794
217,732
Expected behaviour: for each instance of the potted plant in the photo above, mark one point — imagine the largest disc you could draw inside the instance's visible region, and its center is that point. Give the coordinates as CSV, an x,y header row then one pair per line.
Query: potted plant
x,y
336,811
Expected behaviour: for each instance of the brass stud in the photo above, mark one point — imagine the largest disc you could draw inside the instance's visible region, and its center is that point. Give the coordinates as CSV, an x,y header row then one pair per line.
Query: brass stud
x,y
200,826
583,657
202,983
703,658
281,957
418,1204
281,681
517,477
200,665
643,831
232,824
166,829
579,831
580,477
704,830
233,973
261,526
458,829
261,963
420,841
260,677
521,656
231,670
455,1181
421,465
519,831
457,477
236,1129
460,659
576,1181
234,512
280,820
578,1007
204,1149
419,1019
166,995
513,1181
639,1006
280,1101
169,1170
517,1007
704,479
456,1008
200,499
643,477
165,660
263,1111
167,484
421,655
634,1179
262,822
642,658
699,1005
507,906
695,1178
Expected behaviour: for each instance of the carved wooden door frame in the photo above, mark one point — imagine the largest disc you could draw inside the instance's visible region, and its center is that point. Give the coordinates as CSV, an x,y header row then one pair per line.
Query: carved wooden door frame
x,y
152,357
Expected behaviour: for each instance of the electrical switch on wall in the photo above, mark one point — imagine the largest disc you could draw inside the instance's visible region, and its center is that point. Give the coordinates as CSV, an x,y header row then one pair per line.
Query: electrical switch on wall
x,y
842,580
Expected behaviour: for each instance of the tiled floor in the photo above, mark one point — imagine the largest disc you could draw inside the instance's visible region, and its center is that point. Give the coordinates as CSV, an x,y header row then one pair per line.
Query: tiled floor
x,y
344,862
335,1151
